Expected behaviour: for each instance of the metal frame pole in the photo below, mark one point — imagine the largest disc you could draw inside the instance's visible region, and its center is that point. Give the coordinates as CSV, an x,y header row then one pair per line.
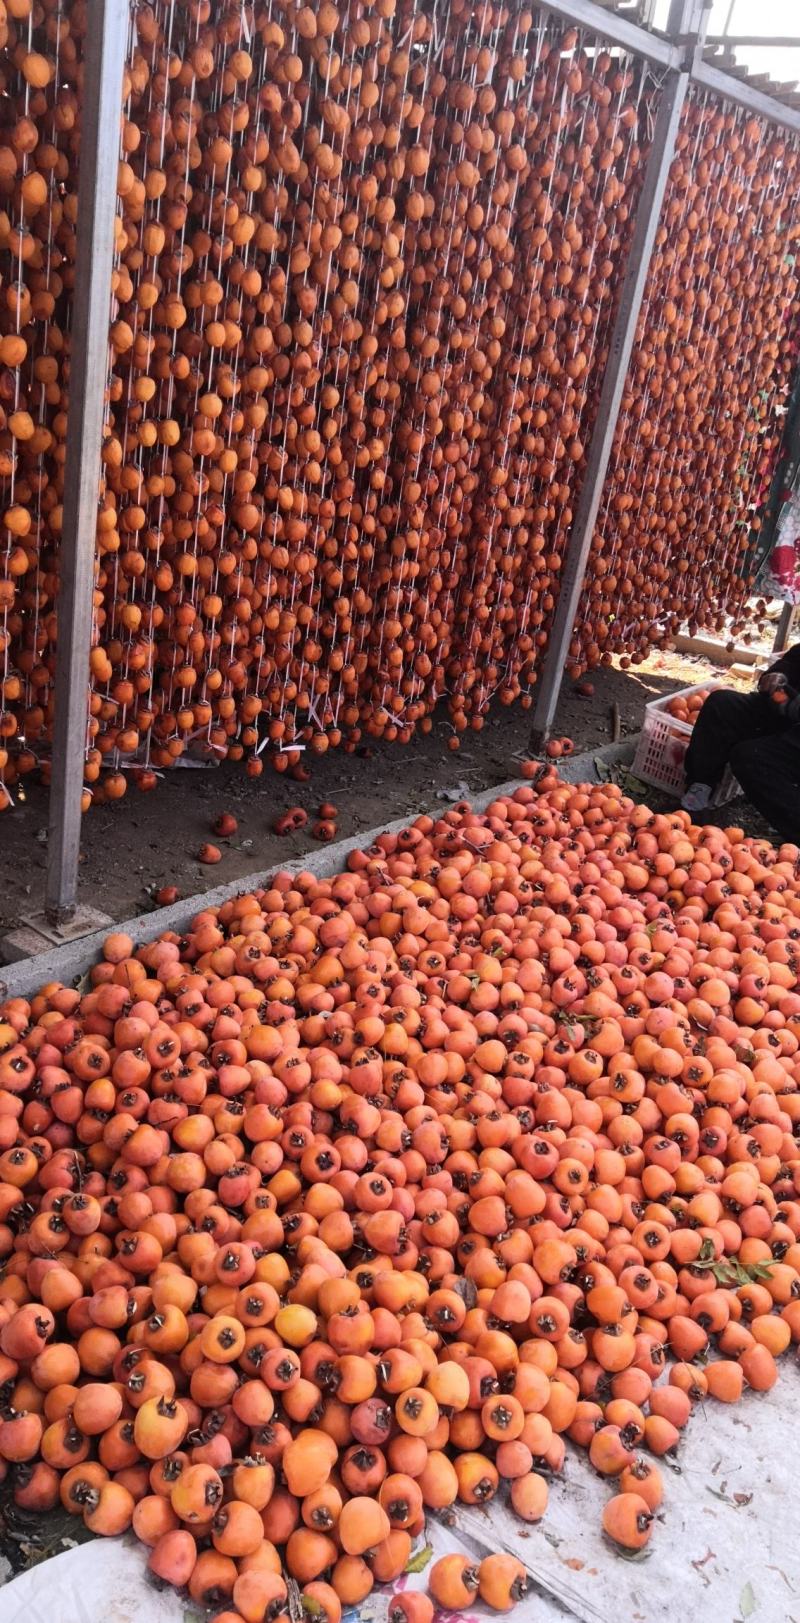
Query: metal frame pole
x,y
773,41
665,49
784,629
673,96
616,29
105,47
745,95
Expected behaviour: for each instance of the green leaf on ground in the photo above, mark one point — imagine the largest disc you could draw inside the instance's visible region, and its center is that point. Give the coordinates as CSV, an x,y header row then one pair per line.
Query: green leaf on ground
x,y
747,1601
421,1560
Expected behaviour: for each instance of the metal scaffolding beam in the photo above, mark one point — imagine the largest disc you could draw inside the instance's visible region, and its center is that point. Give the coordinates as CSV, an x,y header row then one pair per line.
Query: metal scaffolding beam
x,y
106,40
614,27
771,41
743,94
667,49
673,96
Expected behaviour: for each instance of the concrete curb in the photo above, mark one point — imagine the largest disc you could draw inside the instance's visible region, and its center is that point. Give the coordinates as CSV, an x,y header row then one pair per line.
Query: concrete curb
x,y
68,963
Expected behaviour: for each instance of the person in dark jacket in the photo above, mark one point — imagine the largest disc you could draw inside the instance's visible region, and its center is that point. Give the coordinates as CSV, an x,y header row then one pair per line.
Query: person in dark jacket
x,y
758,736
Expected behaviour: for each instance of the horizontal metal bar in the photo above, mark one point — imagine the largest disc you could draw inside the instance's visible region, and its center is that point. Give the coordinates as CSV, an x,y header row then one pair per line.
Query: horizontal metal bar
x,y
641,42
611,26
745,95
781,41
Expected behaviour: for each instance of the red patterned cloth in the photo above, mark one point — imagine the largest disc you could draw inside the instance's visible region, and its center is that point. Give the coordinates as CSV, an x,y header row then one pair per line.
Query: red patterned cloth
x,y
781,577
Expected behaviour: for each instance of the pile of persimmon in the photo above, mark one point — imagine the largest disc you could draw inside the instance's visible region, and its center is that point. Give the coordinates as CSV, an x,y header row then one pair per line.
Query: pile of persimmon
x,y
686,707
369,1194
366,267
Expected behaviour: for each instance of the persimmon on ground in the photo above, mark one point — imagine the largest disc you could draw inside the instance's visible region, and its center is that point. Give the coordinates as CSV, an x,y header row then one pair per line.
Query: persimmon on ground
x,y
368,1195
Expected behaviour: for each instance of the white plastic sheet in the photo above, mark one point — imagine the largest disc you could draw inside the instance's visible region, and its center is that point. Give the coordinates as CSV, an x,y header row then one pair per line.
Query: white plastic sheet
x,y
724,1547
101,1582
106,1582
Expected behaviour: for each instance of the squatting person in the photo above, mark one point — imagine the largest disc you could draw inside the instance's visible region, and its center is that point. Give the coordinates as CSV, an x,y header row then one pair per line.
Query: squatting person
x,y
758,736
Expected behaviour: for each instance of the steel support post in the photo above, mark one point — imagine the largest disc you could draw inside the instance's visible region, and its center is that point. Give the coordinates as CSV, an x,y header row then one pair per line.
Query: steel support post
x,y
673,96
784,629
106,42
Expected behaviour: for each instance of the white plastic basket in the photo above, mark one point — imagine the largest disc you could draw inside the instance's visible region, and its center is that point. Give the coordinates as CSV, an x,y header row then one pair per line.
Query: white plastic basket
x,y
662,747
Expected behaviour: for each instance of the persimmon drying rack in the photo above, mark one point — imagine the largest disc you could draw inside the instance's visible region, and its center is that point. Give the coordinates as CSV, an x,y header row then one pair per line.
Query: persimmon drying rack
x,y
678,52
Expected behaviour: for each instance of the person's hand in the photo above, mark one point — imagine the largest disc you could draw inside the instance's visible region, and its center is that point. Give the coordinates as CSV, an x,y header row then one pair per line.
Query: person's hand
x,y
772,682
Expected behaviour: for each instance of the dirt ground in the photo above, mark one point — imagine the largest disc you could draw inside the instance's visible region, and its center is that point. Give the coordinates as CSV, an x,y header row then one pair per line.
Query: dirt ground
x,y
132,848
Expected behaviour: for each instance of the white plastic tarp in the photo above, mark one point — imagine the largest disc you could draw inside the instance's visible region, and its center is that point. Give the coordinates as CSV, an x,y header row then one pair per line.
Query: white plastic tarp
x,y
725,1546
